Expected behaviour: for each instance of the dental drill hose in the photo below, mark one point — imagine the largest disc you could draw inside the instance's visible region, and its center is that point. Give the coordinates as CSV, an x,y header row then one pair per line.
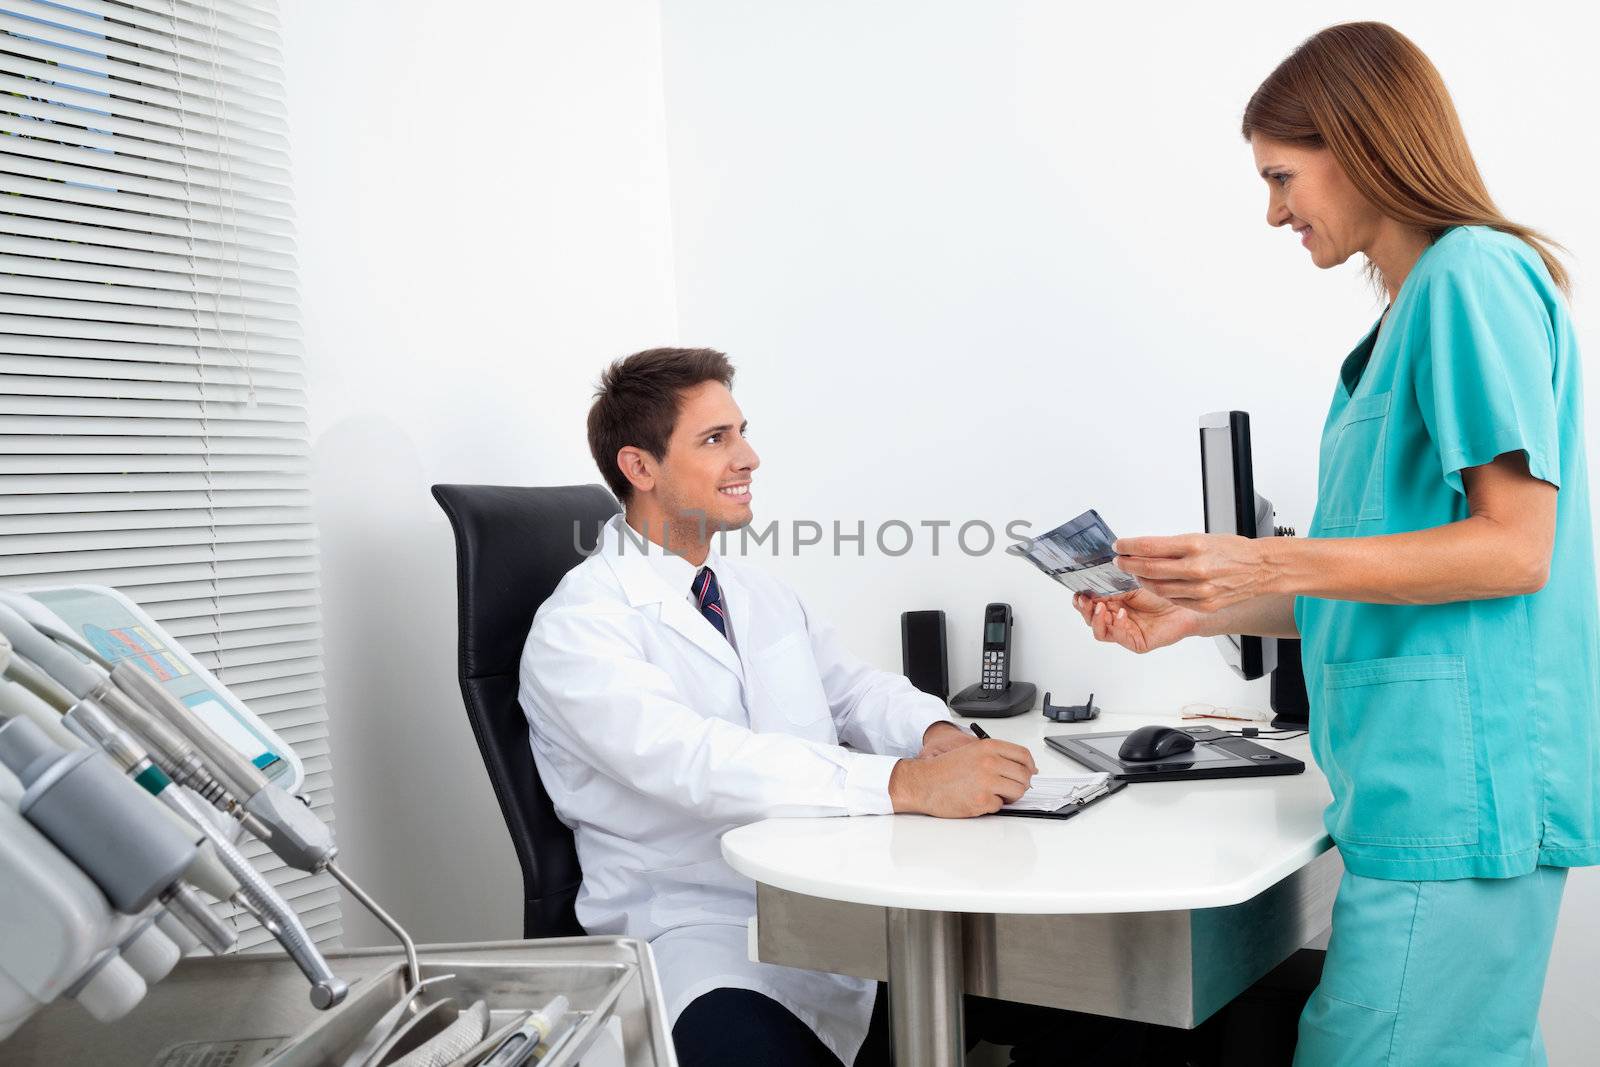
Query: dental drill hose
x,y
173,752
86,682
205,869
288,827
295,834
89,724
67,731
255,894
241,776
95,816
19,670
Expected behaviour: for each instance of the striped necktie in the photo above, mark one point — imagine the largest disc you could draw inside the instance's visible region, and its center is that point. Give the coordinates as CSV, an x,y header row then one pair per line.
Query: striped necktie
x,y
708,597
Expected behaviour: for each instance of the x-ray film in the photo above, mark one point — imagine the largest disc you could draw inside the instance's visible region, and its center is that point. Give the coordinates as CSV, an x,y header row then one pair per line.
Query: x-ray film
x,y
1078,555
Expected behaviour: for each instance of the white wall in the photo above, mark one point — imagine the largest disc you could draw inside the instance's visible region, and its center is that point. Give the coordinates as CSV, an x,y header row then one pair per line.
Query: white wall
x,y
974,260
990,260
483,222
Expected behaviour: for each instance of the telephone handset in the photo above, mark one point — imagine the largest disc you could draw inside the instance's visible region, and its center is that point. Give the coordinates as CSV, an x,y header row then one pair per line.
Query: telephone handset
x,y
995,675
994,695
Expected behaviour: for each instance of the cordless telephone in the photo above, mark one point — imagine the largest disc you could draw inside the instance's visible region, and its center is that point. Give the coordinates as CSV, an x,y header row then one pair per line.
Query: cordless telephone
x,y
995,675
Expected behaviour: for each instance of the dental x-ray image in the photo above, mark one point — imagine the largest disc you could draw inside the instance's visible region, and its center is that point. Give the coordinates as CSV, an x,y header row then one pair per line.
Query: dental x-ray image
x,y
1078,555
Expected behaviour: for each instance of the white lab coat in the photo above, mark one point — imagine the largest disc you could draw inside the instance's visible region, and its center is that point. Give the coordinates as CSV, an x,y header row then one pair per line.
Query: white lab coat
x,y
654,736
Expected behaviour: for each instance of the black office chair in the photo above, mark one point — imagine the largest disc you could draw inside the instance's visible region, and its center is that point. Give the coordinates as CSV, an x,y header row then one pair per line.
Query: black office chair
x,y
513,544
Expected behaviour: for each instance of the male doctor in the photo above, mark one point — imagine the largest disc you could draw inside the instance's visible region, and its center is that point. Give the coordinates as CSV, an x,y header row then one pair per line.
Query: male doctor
x,y
673,694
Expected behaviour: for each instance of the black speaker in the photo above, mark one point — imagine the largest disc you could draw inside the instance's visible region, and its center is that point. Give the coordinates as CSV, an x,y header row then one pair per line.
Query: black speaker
x,y
922,652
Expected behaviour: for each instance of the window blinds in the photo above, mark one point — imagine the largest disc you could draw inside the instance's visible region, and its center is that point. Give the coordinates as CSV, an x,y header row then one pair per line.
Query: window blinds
x,y
152,397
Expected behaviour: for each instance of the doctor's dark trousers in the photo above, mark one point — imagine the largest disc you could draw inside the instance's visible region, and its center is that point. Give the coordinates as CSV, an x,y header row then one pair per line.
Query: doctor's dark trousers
x,y
743,1028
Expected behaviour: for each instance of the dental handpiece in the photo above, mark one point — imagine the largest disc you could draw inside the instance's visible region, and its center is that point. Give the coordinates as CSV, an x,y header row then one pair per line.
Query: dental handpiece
x,y
46,704
295,834
38,697
84,683
256,895
179,898
293,831
190,750
183,763
181,739
96,817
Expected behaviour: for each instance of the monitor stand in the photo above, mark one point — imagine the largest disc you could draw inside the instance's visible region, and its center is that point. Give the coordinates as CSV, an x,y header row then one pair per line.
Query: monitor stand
x,y
1289,698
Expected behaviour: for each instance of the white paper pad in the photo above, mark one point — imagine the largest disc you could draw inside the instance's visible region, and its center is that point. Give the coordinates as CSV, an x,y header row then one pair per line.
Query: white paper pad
x,y
1048,794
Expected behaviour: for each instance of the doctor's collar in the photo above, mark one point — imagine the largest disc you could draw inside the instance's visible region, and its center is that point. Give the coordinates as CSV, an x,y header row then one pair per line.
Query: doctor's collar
x,y
641,541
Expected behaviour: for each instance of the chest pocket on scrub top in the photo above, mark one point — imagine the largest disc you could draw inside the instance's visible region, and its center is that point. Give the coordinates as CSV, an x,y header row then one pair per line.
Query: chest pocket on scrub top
x,y
1352,488
786,673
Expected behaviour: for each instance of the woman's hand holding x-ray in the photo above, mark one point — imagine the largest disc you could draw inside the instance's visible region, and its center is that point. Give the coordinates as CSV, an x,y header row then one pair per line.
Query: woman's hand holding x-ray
x,y
1202,572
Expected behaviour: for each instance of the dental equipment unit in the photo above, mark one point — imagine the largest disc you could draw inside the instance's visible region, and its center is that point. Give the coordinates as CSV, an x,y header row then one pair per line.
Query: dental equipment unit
x,y
104,843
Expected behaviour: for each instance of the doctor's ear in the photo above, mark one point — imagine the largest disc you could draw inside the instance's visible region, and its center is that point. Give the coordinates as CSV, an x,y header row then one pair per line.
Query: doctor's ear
x,y
638,466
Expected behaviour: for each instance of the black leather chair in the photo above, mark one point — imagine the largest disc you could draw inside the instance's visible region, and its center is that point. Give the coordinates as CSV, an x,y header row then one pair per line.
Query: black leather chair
x,y
513,544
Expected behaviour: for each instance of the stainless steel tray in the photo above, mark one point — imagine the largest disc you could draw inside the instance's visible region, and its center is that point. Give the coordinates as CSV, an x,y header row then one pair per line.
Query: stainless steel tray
x,y
594,988
253,1009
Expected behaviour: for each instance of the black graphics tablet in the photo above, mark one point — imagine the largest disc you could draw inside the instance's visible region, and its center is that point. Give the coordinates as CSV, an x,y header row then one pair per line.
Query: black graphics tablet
x,y
1215,755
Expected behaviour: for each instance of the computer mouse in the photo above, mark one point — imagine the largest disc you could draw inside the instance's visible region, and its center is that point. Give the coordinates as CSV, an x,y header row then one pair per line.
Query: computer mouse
x,y
1154,742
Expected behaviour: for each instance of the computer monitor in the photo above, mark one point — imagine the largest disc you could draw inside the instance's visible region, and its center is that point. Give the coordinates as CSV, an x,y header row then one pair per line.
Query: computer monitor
x,y
1233,506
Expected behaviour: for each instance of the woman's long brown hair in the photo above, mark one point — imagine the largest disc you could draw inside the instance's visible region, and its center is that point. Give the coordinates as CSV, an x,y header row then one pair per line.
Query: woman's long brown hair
x,y
1368,94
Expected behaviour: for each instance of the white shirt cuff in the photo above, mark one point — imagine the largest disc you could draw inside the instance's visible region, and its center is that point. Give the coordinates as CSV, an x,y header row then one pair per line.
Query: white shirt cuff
x,y
866,784
941,714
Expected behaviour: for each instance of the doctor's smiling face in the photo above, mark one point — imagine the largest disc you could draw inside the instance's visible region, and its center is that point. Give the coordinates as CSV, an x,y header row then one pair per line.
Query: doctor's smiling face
x,y
702,482
1308,191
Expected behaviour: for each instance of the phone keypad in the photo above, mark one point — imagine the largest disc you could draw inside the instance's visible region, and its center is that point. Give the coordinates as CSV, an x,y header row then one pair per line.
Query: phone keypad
x,y
994,669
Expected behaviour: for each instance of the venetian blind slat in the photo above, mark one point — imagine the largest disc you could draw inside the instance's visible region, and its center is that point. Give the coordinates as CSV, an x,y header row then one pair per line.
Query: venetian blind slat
x,y
152,380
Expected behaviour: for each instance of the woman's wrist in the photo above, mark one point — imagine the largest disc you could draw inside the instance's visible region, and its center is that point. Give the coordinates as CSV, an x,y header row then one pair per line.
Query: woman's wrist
x,y
1268,615
1279,557
1208,624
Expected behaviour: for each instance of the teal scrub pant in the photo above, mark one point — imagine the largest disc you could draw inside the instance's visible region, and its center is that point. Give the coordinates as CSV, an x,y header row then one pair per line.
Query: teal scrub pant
x,y
1436,973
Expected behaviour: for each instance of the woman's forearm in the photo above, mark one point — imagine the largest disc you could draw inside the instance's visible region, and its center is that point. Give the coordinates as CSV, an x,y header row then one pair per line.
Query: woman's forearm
x,y
1476,558
1262,616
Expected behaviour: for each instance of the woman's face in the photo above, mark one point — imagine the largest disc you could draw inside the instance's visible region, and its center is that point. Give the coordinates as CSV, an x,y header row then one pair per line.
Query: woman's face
x,y
1308,191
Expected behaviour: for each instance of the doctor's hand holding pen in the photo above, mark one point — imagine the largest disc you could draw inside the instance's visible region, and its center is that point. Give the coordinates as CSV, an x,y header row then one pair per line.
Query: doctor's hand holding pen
x,y
973,779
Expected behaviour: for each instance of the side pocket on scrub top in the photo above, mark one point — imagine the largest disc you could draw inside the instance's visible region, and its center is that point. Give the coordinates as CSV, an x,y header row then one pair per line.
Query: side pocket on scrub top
x,y
1400,736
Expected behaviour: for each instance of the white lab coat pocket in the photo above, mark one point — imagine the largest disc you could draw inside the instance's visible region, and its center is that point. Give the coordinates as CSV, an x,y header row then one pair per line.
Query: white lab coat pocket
x,y
786,675
709,891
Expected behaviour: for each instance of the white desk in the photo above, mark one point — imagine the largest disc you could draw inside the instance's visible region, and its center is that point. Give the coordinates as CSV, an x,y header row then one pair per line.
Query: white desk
x,y
1169,898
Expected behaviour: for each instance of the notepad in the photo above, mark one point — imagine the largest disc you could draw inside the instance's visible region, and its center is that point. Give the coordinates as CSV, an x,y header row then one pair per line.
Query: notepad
x,y
1050,794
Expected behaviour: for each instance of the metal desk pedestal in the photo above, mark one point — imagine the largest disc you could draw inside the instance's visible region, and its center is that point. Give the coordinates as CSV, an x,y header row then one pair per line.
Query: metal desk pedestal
x,y
1174,968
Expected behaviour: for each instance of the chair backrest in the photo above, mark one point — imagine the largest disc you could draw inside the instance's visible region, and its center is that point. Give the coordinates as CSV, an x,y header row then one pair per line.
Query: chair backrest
x,y
513,544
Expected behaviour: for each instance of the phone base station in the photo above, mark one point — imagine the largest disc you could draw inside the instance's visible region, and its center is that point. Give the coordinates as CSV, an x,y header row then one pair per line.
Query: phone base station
x,y
976,702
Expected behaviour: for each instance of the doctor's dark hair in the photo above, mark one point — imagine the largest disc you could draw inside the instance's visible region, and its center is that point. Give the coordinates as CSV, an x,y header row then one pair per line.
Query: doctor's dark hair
x,y
1364,91
636,403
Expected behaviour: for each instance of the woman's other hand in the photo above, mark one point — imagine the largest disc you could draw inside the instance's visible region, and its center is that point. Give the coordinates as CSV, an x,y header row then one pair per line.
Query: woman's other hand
x,y
1202,572
1139,621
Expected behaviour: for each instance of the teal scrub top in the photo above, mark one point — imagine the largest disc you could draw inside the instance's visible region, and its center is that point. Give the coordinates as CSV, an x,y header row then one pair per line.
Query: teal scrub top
x,y
1459,740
